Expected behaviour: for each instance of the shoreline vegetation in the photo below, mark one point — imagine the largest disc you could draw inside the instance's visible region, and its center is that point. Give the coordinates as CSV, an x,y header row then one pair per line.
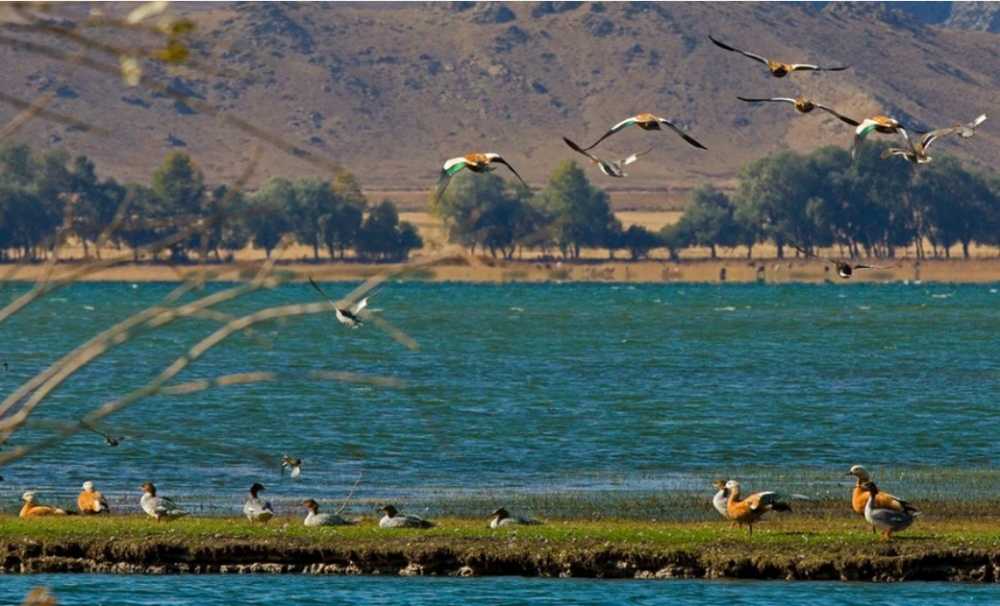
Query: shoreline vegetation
x,y
480,270
783,548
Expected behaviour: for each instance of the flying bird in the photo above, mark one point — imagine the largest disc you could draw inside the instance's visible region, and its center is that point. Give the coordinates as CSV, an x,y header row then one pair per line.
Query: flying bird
x,y
347,316
883,500
292,463
647,122
917,152
611,169
885,519
844,269
255,508
879,124
778,69
803,105
111,440
477,163
969,130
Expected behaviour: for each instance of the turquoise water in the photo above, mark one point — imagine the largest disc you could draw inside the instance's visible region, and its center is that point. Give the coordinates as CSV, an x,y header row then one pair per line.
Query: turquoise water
x,y
98,590
532,394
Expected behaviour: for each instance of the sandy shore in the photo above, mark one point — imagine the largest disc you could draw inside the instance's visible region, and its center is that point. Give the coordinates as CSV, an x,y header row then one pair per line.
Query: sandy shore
x,y
979,270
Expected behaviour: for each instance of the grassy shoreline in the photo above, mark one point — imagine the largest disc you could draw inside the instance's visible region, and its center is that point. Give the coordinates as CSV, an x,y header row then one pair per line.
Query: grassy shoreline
x,y
787,547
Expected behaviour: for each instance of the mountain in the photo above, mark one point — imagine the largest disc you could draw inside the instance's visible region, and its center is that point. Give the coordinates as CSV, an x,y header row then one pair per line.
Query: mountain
x,y
391,90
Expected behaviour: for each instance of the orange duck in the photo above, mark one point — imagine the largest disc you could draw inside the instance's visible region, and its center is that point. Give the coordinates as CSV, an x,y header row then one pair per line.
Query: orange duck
x,y
883,500
91,501
750,509
32,509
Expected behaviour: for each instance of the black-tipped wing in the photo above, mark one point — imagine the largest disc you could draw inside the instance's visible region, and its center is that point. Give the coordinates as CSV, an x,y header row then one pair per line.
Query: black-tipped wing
x,y
934,135
497,158
635,157
580,150
614,129
816,68
842,117
809,254
683,134
320,291
736,50
780,99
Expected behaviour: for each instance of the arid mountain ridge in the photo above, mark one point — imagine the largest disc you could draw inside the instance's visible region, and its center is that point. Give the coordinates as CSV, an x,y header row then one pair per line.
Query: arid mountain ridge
x,y
391,90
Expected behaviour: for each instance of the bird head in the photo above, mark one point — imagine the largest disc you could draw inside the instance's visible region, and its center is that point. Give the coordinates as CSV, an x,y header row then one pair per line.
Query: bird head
x,y
859,472
500,513
389,510
88,486
148,487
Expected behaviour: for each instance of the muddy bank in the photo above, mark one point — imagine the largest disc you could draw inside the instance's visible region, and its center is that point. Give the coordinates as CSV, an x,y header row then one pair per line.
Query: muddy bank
x,y
502,555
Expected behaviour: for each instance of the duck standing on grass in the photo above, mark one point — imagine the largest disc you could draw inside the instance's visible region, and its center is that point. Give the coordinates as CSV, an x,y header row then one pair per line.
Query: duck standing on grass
x,y
884,500
257,509
315,518
501,517
31,509
885,520
394,519
90,501
750,509
159,508
721,501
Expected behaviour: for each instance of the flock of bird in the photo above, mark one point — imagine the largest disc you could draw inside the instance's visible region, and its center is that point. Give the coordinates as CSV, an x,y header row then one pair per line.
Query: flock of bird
x,y
913,151
885,512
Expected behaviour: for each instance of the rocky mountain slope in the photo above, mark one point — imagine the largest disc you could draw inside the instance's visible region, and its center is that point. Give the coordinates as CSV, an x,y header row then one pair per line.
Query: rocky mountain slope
x,y
391,90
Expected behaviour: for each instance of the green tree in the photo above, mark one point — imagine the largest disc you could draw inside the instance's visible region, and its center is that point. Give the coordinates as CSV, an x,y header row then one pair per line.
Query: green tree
x,y
342,224
383,237
956,203
269,214
708,217
312,207
577,213
178,196
640,241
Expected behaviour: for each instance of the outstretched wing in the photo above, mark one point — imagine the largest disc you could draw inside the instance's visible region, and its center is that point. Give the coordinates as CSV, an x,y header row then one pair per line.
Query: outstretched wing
x,y
809,254
614,129
875,266
363,303
320,291
893,151
842,117
497,158
451,167
783,99
806,66
580,150
970,129
736,50
683,134
933,135
635,157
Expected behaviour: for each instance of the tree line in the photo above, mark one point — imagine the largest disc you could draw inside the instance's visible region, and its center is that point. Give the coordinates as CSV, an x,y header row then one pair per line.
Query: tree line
x,y
820,199
47,196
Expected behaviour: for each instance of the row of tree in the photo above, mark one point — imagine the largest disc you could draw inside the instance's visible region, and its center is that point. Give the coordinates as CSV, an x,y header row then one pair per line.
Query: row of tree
x,y
820,199
46,195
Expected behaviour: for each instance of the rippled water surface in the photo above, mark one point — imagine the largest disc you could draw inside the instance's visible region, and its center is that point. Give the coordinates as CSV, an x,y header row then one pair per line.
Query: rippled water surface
x,y
516,389
99,590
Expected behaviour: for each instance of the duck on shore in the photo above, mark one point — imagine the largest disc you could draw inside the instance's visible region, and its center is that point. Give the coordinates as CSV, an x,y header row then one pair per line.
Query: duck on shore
x,y
884,500
884,519
90,501
501,517
159,508
315,518
32,509
750,509
721,501
255,508
394,519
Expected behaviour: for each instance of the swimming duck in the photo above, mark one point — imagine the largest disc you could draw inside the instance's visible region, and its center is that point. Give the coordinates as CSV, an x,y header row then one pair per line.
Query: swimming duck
x,y
721,500
883,500
969,130
255,508
844,269
778,69
803,105
646,122
477,163
314,518
917,152
31,509
292,463
394,519
886,520
90,501
750,509
501,517
611,169
159,508
346,316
